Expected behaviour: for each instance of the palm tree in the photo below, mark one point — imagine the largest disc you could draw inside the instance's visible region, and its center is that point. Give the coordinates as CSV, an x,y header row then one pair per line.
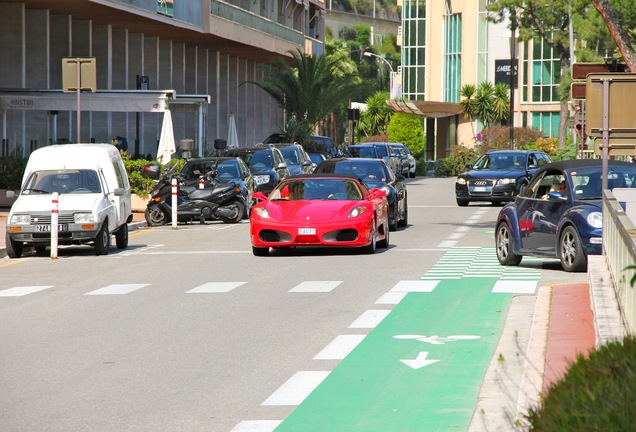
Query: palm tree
x,y
310,88
376,118
488,103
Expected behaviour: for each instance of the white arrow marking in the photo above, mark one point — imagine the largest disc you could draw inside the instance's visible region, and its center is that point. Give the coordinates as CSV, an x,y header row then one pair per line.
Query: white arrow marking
x,y
420,361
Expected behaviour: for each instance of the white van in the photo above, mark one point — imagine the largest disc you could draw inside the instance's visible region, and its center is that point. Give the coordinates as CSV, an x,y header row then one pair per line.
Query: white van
x,y
94,199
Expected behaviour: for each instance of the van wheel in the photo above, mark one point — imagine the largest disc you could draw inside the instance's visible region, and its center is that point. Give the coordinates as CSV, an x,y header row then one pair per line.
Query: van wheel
x,y
121,237
102,241
14,248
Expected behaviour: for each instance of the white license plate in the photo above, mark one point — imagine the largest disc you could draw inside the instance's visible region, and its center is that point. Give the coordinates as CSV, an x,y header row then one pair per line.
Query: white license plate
x,y
480,189
47,228
306,231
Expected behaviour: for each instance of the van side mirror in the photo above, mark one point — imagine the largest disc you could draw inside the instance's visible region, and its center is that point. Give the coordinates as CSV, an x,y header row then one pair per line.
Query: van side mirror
x,y
119,192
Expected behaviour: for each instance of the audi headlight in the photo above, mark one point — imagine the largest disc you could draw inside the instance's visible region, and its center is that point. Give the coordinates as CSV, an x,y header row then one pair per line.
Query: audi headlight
x,y
262,212
505,181
461,180
357,211
20,220
83,218
595,219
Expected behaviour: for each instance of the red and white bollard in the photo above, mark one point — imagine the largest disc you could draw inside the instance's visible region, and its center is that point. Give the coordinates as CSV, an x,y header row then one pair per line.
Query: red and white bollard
x,y
201,183
174,203
55,206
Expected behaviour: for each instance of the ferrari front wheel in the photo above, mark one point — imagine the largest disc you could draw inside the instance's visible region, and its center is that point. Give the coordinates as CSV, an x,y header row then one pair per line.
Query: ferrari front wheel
x,y
371,247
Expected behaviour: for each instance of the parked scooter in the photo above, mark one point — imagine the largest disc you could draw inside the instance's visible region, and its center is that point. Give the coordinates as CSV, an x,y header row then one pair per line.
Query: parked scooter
x,y
208,199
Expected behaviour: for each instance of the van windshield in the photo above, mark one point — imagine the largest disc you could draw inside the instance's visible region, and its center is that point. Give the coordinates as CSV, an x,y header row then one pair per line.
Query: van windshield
x,y
63,182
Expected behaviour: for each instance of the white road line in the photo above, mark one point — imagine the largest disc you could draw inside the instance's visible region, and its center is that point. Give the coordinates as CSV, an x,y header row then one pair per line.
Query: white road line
x,y
297,388
340,347
256,426
370,318
515,287
414,286
216,287
315,286
23,290
455,235
391,298
446,244
117,289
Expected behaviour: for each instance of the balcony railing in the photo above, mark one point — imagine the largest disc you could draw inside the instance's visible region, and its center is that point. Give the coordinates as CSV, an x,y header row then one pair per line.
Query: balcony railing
x,y
248,19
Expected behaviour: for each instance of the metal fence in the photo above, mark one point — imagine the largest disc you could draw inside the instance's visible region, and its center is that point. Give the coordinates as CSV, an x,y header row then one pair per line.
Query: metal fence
x,y
619,248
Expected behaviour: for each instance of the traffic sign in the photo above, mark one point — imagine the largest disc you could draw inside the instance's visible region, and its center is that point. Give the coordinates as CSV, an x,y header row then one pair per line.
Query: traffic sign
x,y
622,93
582,70
577,90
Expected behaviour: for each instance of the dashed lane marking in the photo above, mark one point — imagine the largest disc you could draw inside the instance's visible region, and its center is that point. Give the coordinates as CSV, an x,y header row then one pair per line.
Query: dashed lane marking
x,y
339,348
216,287
315,286
117,289
296,389
23,290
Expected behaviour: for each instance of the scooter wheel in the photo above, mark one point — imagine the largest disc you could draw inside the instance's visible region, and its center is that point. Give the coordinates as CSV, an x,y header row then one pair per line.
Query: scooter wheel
x,y
239,210
155,216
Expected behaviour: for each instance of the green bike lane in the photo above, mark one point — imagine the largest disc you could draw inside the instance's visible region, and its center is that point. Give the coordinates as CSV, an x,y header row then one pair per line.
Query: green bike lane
x,y
420,369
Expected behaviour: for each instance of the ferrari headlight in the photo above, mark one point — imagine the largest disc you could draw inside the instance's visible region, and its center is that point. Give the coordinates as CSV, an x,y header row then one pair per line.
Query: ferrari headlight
x,y
83,217
262,212
357,211
461,180
505,181
595,219
20,219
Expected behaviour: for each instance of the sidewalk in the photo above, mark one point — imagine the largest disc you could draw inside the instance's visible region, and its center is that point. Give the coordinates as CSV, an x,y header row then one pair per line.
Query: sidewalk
x,y
138,221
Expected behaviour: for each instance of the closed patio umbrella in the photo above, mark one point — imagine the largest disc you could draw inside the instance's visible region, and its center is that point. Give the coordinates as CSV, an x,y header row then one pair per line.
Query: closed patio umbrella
x,y
166,140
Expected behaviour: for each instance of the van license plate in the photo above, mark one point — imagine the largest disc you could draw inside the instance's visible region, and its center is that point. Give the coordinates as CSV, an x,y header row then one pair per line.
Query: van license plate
x,y
47,228
307,231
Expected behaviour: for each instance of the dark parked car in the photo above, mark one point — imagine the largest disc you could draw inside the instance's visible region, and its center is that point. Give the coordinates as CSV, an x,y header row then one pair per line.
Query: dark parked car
x,y
378,150
331,150
227,169
498,176
375,174
296,157
559,214
402,153
316,157
266,164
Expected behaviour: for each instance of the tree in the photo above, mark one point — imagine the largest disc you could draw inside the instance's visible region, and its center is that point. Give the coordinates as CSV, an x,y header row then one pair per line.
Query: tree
x,y
488,103
618,32
548,20
310,88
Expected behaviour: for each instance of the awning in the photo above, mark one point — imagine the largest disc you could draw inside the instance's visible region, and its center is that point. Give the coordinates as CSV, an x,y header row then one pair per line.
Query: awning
x,y
426,108
105,100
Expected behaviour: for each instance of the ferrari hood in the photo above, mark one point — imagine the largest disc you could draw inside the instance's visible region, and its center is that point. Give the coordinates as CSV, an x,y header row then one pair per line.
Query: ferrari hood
x,y
311,211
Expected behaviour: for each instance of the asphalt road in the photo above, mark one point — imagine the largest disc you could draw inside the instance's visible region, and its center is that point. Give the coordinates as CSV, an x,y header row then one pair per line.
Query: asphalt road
x,y
187,331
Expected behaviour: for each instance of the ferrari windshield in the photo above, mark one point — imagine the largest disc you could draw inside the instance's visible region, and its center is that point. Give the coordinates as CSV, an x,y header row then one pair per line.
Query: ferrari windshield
x,y
317,189
501,161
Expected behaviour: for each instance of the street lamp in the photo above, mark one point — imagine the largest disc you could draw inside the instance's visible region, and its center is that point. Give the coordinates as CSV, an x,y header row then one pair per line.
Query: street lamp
x,y
370,54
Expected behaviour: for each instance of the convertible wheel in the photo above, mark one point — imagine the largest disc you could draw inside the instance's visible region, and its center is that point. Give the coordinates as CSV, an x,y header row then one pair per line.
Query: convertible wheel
x,y
505,246
571,252
155,216
121,237
259,251
462,202
102,241
14,248
384,243
370,249
238,210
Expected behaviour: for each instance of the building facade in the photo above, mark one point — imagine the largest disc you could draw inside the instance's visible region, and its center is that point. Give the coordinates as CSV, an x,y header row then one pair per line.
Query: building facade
x,y
185,51
448,44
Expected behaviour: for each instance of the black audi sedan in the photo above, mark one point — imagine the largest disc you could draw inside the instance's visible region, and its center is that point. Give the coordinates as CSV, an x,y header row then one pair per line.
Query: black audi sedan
x,y
374,173
498,176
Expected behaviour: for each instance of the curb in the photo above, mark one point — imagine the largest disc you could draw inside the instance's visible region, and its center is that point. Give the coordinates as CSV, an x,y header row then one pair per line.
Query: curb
x,y
133,226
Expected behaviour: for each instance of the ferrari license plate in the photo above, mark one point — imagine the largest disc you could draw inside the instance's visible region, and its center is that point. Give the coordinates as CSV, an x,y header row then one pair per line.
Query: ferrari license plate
x,y
47,228
306,231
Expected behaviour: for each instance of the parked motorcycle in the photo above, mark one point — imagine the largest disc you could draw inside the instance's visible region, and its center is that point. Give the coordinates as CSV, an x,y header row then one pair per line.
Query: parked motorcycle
x,y
206,199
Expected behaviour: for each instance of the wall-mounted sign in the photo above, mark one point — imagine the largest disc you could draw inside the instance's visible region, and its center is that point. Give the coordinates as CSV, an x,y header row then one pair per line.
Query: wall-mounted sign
x,y
165,7
502,71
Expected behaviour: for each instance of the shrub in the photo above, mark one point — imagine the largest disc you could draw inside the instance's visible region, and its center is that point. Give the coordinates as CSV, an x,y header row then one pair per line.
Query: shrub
x,y
455,163
408,130
596,394
11,172
548,145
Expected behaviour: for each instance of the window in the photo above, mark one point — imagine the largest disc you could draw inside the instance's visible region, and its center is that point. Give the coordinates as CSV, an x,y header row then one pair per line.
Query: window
x,y
547,122
413,49
452,56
